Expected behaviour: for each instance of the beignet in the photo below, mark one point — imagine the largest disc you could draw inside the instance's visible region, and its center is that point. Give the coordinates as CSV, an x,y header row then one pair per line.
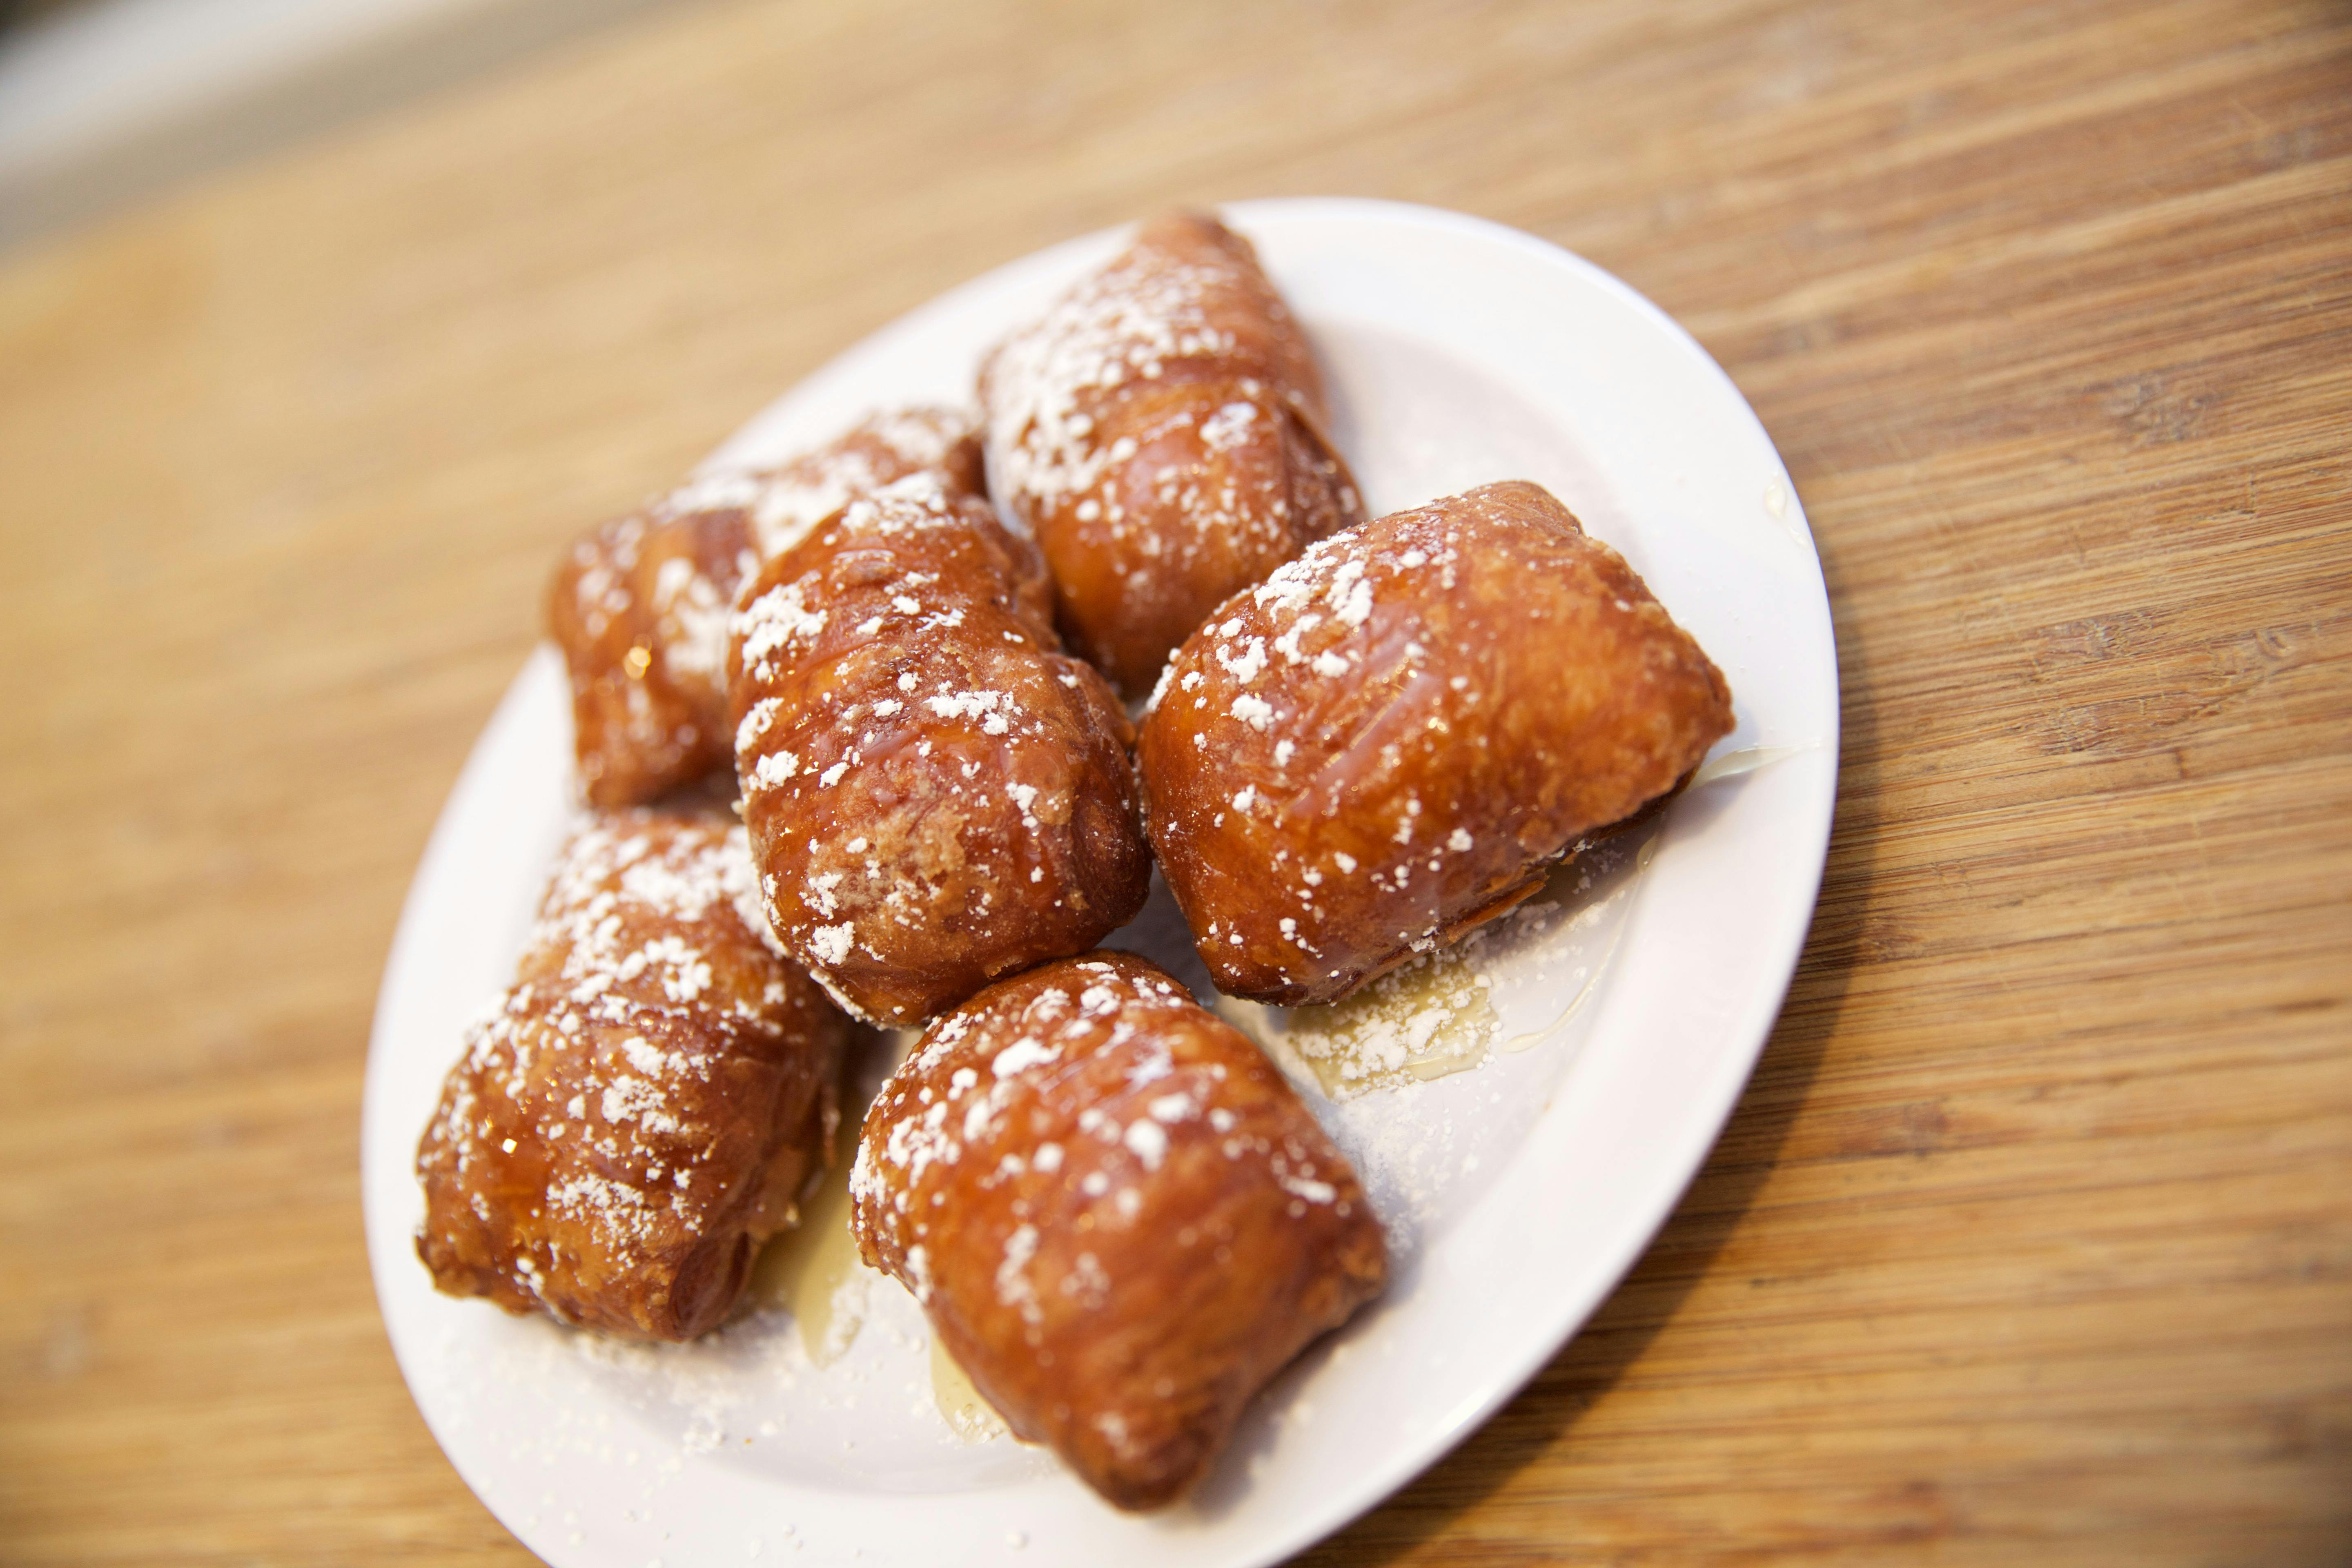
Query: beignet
x,y
1386,743
937,794
1161,433
645,1105
639,607
1118,1216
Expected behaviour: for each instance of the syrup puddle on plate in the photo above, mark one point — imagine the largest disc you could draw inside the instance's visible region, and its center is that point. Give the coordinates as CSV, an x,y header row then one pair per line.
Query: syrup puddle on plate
x,y
1746,760
974,1419
1507,987
814,1272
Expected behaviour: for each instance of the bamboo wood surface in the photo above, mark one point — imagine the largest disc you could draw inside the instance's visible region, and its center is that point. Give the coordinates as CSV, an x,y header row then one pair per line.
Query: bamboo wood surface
x,y
2031,1239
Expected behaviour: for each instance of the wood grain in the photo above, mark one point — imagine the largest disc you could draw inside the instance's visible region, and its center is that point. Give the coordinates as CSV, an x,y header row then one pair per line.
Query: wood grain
x,y
2031,1241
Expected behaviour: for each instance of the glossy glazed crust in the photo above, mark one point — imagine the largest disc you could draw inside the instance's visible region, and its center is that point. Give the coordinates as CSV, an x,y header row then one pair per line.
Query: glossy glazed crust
x,y
1387,742
631,607
1161,433
1118,1216
644,1106
937,794
640,605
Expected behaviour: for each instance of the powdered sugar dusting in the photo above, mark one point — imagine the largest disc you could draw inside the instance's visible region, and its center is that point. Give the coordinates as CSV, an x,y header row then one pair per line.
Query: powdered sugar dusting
x,y
879,450
650,961
1125,323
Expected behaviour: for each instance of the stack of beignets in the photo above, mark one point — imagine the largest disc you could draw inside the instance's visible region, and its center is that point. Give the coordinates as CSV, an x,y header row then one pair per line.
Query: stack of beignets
x,y
937,794
1160,431
1387,741
646,1103
640,605
1120,1219
1118,1216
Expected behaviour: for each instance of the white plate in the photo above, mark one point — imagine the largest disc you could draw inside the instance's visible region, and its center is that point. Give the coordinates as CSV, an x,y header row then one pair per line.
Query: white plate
x,y
1457,352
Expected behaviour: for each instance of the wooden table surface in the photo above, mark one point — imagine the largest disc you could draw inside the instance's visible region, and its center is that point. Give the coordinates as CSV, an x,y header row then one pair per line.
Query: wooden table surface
x,y
2031,1241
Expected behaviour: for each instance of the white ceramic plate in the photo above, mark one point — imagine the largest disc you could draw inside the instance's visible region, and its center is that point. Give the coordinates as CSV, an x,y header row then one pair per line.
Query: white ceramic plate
x,y
1457,352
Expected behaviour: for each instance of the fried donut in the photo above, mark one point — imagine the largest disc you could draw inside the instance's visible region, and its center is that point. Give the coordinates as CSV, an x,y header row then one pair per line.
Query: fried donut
x,y
639,607
1117,1215
937,794
645,1105
1386,743
1161,433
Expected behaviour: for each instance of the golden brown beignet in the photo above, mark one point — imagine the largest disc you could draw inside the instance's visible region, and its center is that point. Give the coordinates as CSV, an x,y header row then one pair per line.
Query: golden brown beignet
x,y
937,794
1161,433
1385,743
644,1106
1118,1216
640,605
